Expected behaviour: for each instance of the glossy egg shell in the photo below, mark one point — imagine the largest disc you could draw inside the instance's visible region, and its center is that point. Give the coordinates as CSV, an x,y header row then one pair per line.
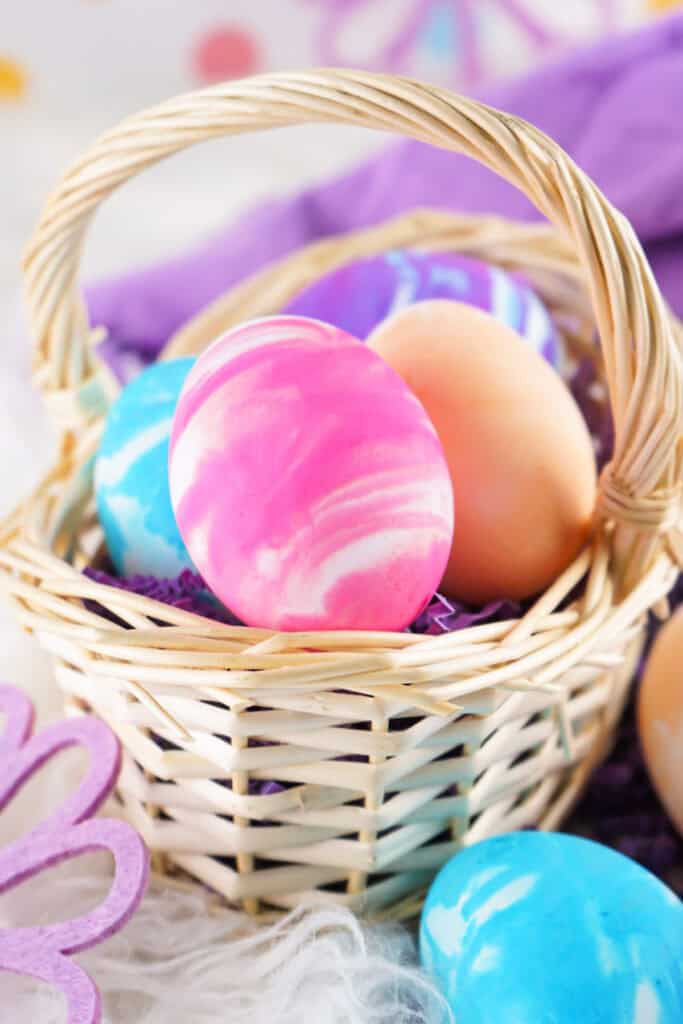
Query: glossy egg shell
x,y
308,481
359,295
538,927
519,452
660,716
131,475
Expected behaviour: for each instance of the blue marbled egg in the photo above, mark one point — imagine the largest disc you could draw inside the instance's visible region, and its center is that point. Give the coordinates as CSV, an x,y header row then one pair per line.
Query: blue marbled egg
x,y
359,295
131,475
553,929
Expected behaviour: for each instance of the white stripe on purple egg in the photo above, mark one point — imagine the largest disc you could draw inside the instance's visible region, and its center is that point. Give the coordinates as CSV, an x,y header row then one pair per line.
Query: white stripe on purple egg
x,y
359,295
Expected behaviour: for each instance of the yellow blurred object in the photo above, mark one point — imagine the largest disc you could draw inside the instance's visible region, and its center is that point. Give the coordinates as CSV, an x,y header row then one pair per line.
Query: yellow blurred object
x,y
13,79
664,5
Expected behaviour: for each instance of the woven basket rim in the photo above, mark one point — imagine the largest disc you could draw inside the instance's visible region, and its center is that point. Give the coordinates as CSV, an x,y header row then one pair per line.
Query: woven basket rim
x,y
538,248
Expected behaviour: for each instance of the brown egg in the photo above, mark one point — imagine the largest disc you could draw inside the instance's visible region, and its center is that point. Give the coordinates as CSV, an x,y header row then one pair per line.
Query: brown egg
x,y
660,717
518,449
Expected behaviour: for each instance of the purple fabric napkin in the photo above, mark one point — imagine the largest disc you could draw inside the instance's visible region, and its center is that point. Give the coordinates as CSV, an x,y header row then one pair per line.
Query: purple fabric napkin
x,y
616,108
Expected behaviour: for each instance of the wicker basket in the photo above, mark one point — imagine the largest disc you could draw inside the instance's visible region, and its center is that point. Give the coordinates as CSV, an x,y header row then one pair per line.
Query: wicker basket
x,y
393,750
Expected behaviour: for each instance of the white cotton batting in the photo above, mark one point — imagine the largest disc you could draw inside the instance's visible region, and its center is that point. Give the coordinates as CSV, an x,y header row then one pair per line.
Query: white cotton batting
x,y
177,963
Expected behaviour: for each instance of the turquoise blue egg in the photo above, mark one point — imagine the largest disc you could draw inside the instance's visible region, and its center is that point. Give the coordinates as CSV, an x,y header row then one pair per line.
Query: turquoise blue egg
x,y
131,475
553,929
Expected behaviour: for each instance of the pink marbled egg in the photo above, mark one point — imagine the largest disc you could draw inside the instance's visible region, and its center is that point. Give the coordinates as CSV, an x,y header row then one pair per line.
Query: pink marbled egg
x,y
307,480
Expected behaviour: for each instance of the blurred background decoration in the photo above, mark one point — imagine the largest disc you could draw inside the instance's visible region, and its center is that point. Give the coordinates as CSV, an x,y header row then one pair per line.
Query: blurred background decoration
x,y
167,46
72,68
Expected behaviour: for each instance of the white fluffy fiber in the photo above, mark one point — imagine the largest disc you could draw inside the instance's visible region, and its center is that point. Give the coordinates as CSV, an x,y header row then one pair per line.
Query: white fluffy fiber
x,y
176,963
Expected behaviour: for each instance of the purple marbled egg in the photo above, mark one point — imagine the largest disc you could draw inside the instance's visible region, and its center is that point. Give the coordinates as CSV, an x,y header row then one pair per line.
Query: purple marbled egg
x,y
357,296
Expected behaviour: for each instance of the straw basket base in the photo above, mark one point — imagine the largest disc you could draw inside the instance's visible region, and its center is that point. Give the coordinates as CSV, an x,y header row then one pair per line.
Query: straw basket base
x,y
383,870
281,769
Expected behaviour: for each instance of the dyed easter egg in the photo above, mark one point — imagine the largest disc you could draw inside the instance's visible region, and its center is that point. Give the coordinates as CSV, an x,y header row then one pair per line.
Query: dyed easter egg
x,y
660,717
307,480
359,295
131,475
546,927
519,452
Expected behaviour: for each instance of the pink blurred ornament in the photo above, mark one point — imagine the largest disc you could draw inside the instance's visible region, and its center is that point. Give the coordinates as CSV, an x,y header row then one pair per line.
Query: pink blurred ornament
x,y
225,51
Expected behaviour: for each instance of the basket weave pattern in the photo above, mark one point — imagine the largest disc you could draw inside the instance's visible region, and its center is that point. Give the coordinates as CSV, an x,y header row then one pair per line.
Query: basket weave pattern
x,y
351,765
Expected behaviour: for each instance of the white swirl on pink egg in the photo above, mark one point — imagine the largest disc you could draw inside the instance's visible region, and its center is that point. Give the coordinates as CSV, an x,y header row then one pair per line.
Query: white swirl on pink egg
x,y
307,480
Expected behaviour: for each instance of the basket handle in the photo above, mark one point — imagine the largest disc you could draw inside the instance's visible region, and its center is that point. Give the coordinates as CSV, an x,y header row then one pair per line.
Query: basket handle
x,y
640,490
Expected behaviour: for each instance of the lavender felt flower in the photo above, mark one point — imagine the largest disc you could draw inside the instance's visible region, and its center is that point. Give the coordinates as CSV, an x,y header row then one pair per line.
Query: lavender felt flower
x,y
44,952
